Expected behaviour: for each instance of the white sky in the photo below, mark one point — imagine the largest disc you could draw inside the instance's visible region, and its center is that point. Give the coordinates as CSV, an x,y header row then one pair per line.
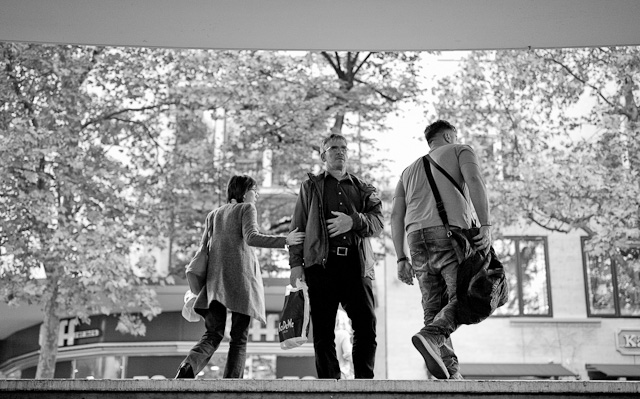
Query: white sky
x,y
405,142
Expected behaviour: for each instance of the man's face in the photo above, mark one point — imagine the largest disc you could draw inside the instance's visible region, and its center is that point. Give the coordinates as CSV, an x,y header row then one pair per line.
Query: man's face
x,y
335,154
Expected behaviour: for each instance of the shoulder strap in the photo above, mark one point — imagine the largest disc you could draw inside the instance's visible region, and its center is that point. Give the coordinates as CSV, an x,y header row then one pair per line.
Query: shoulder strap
x,y
439,204
447,175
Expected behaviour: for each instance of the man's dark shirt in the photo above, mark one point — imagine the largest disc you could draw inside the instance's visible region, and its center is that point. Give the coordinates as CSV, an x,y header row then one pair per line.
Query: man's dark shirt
x,y
335,193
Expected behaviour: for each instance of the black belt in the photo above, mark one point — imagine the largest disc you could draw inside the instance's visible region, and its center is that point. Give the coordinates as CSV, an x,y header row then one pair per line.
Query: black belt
x,y
341,251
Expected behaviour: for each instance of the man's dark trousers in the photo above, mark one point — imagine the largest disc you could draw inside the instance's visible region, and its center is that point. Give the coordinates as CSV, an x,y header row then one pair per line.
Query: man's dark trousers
x,y
340,281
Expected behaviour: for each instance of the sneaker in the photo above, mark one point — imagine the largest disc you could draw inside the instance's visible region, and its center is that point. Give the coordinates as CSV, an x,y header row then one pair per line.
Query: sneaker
x,y
430,352
456,376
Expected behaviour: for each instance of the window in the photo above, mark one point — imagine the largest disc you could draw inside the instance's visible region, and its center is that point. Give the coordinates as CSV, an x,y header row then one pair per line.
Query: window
x,y
526,265
612,283
100,367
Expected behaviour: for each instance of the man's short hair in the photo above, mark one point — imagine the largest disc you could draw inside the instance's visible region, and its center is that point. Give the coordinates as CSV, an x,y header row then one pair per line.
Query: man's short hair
x,y
436,127
332,136
238,187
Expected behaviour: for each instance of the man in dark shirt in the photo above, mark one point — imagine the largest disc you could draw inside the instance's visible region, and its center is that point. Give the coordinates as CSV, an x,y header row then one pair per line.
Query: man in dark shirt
x,y
337,211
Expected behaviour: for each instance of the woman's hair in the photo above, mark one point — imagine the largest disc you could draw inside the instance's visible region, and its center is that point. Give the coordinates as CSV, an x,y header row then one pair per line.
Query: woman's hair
x,y
238,187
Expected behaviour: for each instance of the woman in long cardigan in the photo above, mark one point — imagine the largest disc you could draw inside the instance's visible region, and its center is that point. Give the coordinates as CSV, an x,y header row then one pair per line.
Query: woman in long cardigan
x,y
234,280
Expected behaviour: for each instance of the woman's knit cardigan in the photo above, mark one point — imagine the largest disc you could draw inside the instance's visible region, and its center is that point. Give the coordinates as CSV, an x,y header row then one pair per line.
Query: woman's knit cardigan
x,y
233,273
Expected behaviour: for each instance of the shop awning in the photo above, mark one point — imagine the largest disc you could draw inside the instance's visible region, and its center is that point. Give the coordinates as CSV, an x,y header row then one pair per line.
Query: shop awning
x,y
599,371
514,370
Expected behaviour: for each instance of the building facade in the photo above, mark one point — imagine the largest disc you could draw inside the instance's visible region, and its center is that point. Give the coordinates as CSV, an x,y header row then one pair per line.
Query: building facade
x,y
554,326
97,350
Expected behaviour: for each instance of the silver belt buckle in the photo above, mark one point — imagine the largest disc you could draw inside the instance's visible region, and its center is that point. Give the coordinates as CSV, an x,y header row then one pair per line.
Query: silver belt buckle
x,y
342,251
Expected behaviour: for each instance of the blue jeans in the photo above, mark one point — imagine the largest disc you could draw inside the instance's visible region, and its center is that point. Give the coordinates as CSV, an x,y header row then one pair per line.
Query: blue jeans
x,y
215,321
435,263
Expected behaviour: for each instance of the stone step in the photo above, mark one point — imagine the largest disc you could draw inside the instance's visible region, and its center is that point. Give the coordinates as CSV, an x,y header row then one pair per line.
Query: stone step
x,y
313,389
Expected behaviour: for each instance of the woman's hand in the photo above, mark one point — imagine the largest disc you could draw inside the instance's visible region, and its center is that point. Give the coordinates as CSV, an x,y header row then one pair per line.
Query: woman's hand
x,y
295,238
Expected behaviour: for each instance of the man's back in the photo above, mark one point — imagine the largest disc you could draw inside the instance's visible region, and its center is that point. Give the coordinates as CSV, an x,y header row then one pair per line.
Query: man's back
x,y
434,260
421,209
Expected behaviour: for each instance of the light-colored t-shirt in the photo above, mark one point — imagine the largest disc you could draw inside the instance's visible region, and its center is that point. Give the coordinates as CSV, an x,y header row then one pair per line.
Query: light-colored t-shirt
x,y
421,211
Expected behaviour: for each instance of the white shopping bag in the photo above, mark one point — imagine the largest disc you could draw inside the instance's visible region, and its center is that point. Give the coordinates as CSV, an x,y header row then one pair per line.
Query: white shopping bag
x,y
187,310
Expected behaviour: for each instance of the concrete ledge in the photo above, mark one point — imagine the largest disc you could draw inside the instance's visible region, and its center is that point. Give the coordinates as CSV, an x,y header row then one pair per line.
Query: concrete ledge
x,y
69,389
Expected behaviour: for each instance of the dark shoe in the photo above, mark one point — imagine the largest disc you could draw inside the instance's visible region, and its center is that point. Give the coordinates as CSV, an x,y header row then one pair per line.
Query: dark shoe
x,y
430,352
185,371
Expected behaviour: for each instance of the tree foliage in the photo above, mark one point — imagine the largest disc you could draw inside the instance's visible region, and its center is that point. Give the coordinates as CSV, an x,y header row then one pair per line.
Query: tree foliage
x,y
106,150
282,104
78,140
287,102
559,136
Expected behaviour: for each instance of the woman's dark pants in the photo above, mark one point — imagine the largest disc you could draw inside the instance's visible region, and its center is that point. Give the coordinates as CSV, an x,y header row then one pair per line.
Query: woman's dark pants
x,y
215,321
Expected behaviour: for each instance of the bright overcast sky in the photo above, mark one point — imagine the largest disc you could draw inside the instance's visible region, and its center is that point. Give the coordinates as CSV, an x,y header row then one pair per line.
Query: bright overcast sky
x,y
405,142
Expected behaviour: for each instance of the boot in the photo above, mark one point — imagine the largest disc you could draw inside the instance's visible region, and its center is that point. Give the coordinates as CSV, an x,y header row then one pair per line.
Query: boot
x,y
185,371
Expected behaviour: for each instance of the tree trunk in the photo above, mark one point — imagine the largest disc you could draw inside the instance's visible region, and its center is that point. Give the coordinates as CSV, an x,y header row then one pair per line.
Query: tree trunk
x,y
337,126
49,332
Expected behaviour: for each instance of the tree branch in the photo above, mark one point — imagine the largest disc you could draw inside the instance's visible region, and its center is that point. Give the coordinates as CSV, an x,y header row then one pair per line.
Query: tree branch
x,y
581,80
362,63
378,91
546,225
146,130
17,168
350,60
338,60
329,60
92,63
112,115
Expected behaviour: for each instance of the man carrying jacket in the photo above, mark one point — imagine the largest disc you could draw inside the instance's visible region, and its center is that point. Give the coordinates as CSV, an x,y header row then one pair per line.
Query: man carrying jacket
x,y
337,211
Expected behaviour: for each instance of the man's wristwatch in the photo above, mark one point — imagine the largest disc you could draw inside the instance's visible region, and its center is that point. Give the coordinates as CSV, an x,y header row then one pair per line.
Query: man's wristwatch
x,y
402,259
